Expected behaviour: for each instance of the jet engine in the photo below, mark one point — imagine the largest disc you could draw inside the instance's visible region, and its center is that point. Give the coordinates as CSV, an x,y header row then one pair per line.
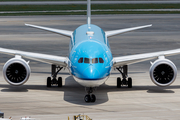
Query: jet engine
x,y
163,72
16,71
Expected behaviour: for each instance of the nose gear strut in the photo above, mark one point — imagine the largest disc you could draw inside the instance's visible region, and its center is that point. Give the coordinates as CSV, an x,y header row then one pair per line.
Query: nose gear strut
x,y
90,97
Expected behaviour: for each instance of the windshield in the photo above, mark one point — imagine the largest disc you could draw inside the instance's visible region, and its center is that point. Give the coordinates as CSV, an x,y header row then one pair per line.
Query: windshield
x,y
88,60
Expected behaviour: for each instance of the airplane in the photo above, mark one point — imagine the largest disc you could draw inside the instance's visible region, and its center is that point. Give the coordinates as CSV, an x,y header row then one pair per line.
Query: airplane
x,y
90,60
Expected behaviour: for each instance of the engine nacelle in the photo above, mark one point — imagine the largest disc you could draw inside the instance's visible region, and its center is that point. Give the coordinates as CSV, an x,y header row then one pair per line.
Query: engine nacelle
x,y
163,72
16,71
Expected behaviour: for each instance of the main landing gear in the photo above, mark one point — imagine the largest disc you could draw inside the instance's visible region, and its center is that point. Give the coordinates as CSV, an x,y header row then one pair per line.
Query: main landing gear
x,y
127,81
54,71
90,97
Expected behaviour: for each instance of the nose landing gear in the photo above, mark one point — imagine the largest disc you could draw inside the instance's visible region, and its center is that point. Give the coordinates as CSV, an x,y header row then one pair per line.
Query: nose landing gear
x,y
90,97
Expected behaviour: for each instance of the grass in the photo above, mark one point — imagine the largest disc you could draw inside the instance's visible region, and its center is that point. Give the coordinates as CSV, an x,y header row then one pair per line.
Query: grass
x,y
94,13
53,0
83,7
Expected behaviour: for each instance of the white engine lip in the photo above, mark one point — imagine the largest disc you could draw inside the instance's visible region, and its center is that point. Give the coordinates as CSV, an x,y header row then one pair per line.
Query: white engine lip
x,y
163,61
20,61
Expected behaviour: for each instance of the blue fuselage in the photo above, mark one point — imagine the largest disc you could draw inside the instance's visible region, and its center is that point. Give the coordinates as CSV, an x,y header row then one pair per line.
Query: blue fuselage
x,y
90,56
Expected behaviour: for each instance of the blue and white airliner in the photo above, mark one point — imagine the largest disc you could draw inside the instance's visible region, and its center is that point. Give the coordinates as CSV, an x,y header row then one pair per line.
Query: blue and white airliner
x,y
90,60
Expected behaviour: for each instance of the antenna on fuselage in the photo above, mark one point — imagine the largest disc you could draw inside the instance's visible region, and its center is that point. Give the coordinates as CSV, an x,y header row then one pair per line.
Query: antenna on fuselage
x,y
88,12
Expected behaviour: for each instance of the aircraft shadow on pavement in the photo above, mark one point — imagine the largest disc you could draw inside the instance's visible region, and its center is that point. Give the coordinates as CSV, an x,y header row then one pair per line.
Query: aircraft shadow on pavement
x,y
74,93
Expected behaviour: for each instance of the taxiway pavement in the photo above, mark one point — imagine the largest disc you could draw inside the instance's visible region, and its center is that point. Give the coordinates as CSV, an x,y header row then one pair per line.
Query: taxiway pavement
x,y
145,101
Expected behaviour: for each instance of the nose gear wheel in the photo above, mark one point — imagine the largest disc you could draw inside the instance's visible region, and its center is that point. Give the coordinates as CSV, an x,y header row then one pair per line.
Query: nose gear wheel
x,y
90,97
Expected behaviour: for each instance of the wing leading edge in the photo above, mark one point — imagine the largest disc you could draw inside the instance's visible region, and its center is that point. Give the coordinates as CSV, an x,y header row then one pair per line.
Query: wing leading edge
x,y
50,59
131,59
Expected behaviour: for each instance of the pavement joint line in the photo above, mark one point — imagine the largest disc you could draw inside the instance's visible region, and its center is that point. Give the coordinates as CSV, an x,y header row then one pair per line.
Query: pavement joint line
x,y
90,107
91,10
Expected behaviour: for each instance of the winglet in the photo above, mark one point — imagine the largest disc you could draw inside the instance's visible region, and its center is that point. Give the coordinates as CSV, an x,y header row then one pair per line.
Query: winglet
x,y
120,31
88,12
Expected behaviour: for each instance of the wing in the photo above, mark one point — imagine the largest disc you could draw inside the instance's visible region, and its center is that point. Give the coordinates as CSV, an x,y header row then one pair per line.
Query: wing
x,y
131,59
120,31
58,31
50,59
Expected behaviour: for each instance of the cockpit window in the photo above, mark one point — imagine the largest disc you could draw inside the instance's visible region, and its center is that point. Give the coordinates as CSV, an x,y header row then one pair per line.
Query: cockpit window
x,y
86,60
101,60
80,60
95,60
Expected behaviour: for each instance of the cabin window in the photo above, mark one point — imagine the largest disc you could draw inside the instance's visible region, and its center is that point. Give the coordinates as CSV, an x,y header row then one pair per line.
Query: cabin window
x,y
101,60
95,60
86,60
80,60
